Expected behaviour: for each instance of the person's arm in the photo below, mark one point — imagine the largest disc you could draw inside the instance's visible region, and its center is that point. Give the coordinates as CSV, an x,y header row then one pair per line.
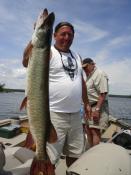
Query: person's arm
x,y
103,89
87,107
101,100
26,54
96,112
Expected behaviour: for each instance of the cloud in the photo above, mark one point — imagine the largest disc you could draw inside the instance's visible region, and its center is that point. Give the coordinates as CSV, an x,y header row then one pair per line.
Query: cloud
x,y
119,76
12,74
115,65
119,41
91,32
113,45
102,32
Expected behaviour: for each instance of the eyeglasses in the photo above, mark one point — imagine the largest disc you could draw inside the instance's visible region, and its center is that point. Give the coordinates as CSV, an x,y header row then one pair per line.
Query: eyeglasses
x,y
71,67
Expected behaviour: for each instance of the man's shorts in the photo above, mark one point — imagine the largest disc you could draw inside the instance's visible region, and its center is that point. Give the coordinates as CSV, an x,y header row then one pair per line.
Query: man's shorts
x,y
104,119
70,135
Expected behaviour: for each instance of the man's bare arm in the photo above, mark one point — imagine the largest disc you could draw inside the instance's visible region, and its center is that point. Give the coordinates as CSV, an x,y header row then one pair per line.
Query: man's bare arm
x,y
85,99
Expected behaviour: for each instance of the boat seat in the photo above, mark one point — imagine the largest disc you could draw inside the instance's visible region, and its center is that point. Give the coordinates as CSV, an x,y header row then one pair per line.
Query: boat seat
x,y
18,160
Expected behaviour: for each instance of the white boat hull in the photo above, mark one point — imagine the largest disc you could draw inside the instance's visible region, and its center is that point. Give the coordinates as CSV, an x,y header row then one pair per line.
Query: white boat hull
x,y
103,159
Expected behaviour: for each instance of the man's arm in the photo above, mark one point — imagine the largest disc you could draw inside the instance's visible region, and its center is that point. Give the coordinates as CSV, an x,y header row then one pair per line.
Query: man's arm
x,y
96,112
103,89
87,107
101,100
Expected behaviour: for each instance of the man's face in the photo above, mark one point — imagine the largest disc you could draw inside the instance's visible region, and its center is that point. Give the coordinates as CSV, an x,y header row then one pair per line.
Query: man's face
x,y
89,68
64,38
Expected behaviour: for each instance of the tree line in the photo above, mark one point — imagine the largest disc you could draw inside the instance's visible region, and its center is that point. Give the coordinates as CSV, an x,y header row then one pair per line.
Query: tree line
x,y
2,87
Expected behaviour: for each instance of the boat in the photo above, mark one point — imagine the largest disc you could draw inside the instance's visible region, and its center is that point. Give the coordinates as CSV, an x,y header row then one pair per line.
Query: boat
x,y
102,159
13,131
111,157
18,158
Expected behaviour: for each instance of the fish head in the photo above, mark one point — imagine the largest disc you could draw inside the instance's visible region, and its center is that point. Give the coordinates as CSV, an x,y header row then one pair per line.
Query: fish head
x,y
43,29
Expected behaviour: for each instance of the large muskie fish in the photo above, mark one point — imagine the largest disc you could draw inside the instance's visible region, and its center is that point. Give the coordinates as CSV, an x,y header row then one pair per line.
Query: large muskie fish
x,y
38,93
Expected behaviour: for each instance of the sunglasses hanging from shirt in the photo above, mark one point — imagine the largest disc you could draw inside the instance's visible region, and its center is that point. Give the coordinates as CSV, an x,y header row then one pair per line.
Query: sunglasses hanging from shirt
x,y
71,67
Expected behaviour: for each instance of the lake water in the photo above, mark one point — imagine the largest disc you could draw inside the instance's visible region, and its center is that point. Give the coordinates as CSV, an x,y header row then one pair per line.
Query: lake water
x,y
10,103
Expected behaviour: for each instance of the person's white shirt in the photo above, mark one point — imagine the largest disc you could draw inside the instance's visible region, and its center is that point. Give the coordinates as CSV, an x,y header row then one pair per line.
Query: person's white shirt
x,y
65,94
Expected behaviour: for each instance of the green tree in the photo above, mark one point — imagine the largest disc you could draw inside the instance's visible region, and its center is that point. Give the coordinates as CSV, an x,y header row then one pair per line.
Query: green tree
x,y
2,87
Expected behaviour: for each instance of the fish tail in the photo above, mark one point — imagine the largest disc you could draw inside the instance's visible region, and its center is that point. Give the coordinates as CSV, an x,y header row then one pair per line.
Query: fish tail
x,y
42,167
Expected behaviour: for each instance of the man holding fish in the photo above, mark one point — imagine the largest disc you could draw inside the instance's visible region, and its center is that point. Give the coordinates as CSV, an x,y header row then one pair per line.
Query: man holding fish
x,y
66,85
66,91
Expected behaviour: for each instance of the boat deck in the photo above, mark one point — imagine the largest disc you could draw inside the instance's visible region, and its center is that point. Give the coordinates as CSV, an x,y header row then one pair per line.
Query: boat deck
x,y
15,141
16,166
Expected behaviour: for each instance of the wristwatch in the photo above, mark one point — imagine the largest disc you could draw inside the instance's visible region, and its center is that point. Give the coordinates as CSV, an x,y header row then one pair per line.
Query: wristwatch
x,y
97,109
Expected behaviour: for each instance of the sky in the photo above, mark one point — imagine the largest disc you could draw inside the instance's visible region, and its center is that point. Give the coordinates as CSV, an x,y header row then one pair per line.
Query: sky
x,y
102,32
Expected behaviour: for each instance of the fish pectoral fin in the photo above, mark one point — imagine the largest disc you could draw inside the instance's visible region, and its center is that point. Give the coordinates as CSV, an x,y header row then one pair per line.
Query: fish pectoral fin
x,y
23,104
53,135
27,54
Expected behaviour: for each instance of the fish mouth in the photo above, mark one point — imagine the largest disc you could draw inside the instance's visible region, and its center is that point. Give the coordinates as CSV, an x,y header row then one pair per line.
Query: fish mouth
x,y
45,18
48,18
51,16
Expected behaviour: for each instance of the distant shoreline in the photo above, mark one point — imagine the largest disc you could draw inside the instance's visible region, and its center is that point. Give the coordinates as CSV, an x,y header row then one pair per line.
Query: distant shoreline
x,y
122,96
7,90
11,90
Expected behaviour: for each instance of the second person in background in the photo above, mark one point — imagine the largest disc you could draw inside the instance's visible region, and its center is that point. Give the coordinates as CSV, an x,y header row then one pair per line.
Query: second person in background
x,y
97,90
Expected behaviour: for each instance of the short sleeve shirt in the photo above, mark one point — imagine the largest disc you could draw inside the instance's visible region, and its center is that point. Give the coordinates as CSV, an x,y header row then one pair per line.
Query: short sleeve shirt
x,y
65,93
96,83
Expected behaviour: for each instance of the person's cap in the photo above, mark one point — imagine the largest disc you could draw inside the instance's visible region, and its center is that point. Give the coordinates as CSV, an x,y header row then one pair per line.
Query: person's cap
x,y
87,61
61,24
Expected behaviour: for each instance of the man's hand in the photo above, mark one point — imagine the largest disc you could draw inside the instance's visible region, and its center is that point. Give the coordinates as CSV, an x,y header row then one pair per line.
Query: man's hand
x,y
96,116
88,111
